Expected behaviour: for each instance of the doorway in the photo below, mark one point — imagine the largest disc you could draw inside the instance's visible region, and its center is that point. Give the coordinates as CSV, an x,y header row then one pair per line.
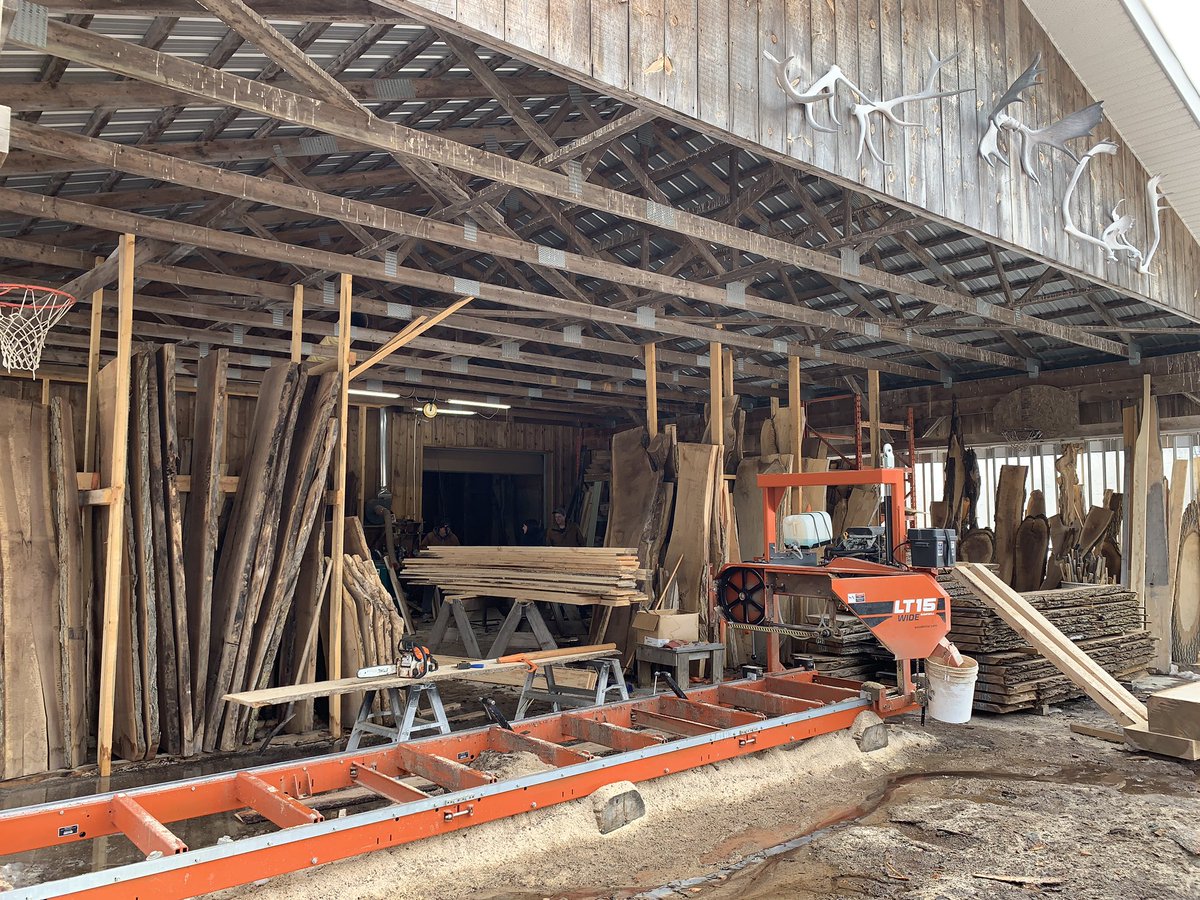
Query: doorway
x,y
485,495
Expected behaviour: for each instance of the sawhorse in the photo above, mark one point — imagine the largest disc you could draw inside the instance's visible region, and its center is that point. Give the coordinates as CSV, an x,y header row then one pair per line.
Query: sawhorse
x,y
608,679
452,606
405,722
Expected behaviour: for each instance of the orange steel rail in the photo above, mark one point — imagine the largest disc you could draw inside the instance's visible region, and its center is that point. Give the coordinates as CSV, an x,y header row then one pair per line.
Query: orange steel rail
x,y
642,739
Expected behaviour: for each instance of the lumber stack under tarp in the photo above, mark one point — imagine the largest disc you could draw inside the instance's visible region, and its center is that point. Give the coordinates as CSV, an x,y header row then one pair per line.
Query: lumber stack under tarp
x,y
1102,621
604,576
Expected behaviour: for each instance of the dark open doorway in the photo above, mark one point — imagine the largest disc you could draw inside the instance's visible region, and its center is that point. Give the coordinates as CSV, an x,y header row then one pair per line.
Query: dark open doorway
x,y
485,495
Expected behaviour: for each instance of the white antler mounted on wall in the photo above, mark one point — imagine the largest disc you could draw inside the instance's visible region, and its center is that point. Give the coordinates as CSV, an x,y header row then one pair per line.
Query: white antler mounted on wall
x,y
823,90
887,108
1114,239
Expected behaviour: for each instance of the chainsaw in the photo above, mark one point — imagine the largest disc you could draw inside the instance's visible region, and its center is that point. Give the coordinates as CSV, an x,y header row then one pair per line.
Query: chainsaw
x,y
414,661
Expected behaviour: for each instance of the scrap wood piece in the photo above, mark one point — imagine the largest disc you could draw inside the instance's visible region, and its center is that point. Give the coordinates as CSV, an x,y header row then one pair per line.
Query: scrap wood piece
x,y
1022,880
1085,673
1067,486
1010,502
979,546
203,516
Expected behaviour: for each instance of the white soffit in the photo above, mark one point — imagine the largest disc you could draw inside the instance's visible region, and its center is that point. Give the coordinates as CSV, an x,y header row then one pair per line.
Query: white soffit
x,y
1122,58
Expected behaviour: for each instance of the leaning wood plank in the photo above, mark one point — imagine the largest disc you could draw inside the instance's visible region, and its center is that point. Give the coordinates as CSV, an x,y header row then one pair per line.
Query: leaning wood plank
x,y
145,582
72,621
32,727
265,554
302,499
1135,553
297,692
1010,503
748,502
1185,634
299,660
203,516
694,483
240,549
168,667
177,577
1030,546
1020,616
128,735
1158,576
1176,500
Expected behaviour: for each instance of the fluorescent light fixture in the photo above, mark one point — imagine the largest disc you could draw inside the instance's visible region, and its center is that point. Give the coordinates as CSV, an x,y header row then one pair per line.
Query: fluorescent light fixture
x,y
479,403
447,412
383,395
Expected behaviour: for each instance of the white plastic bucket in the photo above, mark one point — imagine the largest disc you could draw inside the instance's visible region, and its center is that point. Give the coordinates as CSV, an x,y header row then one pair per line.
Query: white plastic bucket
x,y
951,690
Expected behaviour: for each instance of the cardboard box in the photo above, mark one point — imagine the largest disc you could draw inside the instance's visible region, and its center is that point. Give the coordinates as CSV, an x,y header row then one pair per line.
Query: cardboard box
x,y
668,625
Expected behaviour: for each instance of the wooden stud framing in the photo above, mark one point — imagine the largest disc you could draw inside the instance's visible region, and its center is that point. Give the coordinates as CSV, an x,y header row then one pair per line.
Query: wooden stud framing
x,y
873,411
716,393
115,479
93,369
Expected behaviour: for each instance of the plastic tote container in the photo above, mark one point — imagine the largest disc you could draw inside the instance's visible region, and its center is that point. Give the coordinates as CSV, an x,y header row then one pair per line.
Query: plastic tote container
x,y
951,690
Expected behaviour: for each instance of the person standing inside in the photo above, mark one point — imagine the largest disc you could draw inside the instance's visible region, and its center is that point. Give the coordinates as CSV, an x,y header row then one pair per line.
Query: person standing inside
x,y
441,536
563,533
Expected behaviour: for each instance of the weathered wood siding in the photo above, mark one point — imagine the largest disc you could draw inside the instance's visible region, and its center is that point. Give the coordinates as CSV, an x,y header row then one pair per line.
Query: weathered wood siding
x,y
719,80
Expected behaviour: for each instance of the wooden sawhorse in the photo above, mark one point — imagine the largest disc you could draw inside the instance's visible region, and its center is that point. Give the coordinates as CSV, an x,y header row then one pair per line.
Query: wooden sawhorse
x,y
452,607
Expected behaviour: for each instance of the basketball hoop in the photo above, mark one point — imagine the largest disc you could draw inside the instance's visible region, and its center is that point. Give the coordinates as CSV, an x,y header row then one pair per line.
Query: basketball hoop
x,y
1020,440
27,313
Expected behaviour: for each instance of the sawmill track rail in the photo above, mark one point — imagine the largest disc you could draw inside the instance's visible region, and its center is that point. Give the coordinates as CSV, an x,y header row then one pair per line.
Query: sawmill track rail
x,y
632,741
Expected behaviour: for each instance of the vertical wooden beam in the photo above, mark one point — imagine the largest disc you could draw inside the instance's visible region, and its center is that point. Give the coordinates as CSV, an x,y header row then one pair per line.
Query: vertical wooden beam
x,y
716,393
873,412
727,373
795,428
115,482
650,354
338,538
93,369
362,463
297,321
45,391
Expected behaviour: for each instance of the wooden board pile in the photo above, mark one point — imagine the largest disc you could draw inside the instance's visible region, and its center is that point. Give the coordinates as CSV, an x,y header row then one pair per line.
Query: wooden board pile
x,y
604,576
1104,621
853,652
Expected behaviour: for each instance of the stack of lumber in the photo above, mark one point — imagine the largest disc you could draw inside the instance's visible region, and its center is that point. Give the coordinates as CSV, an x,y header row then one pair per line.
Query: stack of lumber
x,y
605,576
599,466
852,652
1103,621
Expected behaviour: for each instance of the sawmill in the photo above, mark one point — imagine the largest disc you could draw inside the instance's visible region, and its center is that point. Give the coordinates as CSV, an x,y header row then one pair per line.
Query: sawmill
x,y
599,448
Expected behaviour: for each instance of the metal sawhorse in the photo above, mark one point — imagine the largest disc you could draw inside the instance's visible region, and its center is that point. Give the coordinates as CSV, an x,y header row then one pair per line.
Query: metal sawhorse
x,y
404,716
608,679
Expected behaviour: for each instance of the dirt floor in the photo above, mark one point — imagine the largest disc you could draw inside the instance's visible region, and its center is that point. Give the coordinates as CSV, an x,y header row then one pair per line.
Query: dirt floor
x,y
1004,807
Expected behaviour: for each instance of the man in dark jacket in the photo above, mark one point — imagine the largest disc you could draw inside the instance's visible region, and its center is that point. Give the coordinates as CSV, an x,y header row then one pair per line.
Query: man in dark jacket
x,y
563,533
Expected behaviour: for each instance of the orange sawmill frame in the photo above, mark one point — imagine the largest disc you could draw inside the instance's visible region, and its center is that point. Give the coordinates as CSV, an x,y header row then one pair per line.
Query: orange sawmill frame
x,y
649,737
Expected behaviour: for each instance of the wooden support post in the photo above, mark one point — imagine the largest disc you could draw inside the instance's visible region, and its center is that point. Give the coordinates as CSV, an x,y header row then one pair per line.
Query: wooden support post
x,y
297,321
795,428
115,482
727,373
45,391
716,388
93,369
873,411
650,353
338,537
362,463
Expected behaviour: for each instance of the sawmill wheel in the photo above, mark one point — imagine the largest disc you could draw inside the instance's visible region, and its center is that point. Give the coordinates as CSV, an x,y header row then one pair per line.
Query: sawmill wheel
x,y
741,595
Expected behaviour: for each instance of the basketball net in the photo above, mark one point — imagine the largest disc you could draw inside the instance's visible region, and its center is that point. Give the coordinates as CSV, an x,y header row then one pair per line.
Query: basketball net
x,y
27,313
1020,440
